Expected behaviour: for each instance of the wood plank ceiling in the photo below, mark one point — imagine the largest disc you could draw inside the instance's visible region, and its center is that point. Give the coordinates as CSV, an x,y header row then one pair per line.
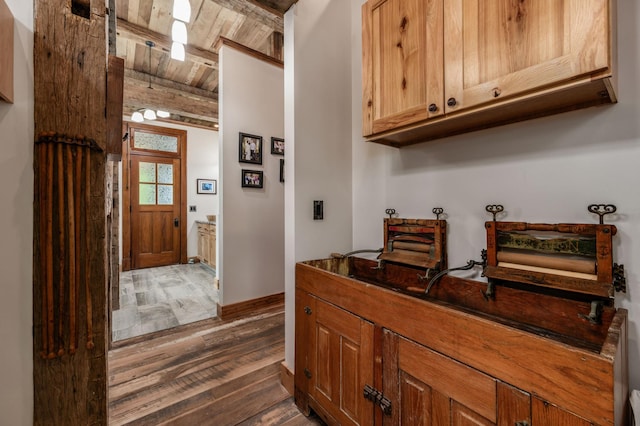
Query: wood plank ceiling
x,y
189,89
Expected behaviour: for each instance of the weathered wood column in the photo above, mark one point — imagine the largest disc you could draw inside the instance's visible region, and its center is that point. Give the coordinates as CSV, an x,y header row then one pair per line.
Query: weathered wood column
x,y
70,256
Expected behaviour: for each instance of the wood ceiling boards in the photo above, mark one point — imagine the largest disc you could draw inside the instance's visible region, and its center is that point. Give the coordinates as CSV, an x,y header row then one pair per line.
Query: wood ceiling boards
x,y
189,89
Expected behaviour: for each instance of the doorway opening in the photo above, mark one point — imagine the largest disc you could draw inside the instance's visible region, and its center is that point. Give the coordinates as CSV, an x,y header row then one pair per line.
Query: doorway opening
x,y
159,287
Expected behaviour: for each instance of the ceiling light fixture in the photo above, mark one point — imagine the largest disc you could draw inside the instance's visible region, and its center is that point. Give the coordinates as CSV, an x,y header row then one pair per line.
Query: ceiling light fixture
x,y
163,114
179,32
177,51
137,117
182,10
149,114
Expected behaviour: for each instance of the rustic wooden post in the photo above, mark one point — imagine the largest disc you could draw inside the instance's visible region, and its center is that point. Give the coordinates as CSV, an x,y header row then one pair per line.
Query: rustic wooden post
x,y
70,256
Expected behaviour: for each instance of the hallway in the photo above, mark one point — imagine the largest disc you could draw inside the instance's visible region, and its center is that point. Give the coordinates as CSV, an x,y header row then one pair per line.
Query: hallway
x,y
155,299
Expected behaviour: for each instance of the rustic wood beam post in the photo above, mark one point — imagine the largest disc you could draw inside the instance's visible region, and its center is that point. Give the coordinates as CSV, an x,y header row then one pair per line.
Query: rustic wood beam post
x,y
70,255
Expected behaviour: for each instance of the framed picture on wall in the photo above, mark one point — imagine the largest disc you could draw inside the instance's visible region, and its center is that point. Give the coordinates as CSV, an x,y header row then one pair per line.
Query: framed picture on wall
x,y
207,186
277,146
250,148
252,178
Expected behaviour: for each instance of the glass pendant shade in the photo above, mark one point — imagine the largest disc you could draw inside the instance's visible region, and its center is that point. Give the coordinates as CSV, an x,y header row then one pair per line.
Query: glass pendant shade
x,y
179,32
137,117
177,51
163,114
149,114
182,10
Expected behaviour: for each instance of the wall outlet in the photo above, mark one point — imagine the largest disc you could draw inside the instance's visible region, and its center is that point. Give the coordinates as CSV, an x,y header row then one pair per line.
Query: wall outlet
x,y
192,208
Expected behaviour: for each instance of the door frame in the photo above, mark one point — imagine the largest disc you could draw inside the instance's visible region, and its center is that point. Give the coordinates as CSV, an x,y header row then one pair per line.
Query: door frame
x,y
126,185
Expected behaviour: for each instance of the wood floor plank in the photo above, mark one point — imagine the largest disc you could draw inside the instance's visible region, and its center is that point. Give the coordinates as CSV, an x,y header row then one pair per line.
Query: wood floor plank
x,y
212,373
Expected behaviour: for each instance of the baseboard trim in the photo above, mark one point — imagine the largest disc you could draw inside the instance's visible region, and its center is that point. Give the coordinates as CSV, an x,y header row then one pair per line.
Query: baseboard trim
x,y
249,307
286,378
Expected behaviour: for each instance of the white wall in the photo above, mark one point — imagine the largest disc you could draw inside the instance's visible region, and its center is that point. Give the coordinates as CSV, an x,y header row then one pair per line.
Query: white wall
x,y
202,163
251,220
16,228
546,170
317,40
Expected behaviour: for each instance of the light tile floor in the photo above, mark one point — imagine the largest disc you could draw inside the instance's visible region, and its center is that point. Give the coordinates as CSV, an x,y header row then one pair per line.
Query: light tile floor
x,y
156,299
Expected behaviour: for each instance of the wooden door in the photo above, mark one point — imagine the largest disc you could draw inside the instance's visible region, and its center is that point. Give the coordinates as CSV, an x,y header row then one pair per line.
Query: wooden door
x,y
155,211
495,49
341,363
402,63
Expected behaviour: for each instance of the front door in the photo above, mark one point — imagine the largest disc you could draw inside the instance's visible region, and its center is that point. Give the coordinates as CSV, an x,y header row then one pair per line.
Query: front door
x,y
156,197
155,211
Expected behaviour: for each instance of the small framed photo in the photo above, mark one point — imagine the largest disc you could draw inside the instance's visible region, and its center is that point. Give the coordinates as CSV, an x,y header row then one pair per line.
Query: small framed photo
x,y
250,148
207,186
252,178
277,146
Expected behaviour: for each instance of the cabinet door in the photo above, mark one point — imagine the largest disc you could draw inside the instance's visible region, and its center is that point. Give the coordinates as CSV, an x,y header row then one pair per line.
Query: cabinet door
x,y
203,244
402,63
341,363
212,246
495,49
546,414
430,389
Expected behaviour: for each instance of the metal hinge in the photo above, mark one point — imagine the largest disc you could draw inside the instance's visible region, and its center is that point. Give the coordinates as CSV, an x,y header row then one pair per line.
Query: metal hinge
x,y
377,397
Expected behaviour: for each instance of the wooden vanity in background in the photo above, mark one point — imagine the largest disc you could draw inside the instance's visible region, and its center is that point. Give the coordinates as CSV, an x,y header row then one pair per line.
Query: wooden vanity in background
x,y
207,242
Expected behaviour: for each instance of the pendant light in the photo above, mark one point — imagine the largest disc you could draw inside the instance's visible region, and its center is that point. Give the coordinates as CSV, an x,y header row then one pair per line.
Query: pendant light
x,y
182,10
179,32
177,51
137,117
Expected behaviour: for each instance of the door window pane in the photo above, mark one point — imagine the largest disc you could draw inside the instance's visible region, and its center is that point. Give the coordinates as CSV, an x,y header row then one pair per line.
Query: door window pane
x,y
147,194
147,172
165,173
165,194
155,142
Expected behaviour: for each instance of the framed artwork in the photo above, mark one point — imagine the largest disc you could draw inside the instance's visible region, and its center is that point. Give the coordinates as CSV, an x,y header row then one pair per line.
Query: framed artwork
x,y
277,146
250,148
252,178
207,186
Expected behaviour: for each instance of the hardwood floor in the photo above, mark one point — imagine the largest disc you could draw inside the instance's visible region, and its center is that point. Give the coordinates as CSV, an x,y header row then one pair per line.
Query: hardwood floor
x,y
207,373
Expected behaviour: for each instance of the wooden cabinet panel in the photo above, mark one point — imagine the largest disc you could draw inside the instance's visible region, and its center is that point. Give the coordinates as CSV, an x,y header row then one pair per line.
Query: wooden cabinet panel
x,y
545,414
212,245
459,382
340,363
404,59
498,48
514,406
462,416
415,401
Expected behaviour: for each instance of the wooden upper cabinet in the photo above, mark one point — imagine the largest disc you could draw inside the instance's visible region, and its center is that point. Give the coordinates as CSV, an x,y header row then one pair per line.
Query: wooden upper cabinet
x,y
496,49
403,57
435,68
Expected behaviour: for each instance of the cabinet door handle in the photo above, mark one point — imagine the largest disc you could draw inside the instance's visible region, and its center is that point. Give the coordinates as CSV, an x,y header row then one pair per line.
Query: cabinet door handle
x,y
433,108
307,310
452,102
522,423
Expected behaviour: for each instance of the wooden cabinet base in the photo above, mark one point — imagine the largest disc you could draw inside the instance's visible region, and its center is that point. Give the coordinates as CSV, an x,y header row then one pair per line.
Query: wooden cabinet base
x,y
456,362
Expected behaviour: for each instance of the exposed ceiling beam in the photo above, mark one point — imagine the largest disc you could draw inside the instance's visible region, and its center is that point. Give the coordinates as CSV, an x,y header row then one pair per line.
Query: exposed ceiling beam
x,y
255,12
140,35
137,94
169,84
